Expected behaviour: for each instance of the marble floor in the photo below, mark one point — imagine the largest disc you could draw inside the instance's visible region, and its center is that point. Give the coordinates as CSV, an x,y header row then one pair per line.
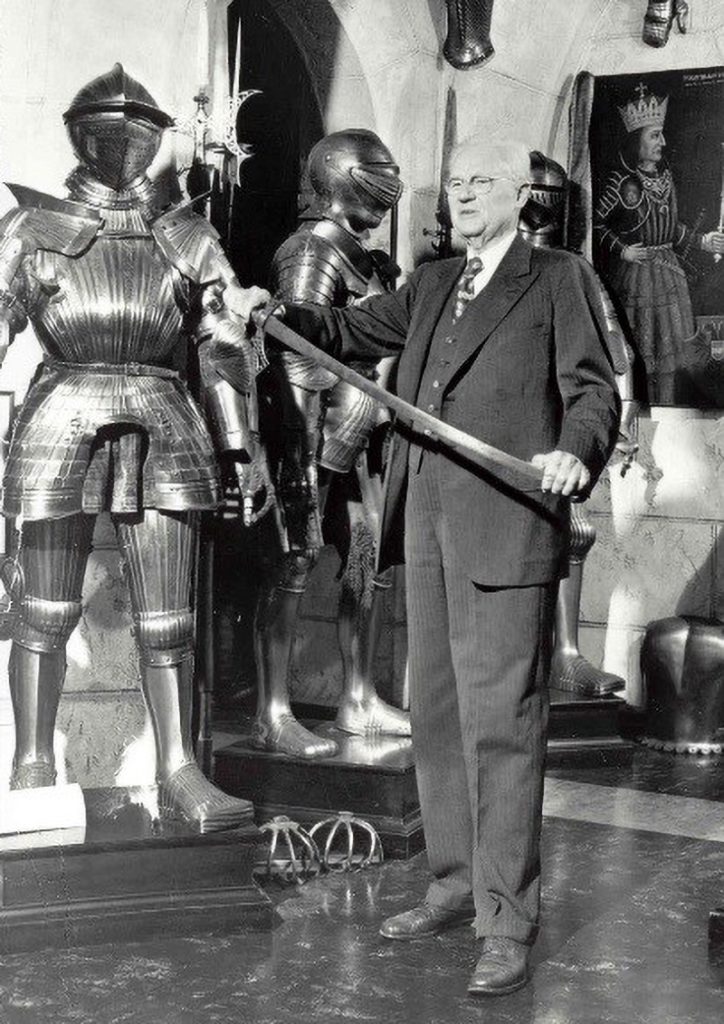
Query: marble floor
x,y
633,861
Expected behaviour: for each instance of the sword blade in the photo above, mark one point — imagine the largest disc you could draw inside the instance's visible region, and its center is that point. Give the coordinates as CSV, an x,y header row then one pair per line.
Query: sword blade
x,y
479,452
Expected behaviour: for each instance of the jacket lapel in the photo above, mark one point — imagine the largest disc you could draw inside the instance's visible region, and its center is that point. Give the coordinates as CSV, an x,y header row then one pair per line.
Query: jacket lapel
x,y
431,305
512,278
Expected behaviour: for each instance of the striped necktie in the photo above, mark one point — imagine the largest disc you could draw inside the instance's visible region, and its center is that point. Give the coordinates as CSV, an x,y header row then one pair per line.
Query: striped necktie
x,y
465,287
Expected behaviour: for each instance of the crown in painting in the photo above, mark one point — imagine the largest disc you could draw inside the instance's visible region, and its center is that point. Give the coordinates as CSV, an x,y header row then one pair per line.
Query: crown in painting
x,y
646,111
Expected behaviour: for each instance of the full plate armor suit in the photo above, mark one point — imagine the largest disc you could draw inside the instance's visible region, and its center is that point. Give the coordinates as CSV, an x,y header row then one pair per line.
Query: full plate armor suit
x,y
328,423
113,287
542,224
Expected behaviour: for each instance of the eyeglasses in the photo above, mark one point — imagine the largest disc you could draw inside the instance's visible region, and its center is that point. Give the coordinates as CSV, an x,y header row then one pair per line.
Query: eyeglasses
x,y
480,185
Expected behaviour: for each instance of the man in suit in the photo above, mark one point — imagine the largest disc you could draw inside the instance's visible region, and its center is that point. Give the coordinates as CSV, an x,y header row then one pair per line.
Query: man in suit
x,y
509,346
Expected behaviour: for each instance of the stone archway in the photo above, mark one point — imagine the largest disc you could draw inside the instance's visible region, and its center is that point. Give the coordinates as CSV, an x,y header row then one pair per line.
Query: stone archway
x,y
386,79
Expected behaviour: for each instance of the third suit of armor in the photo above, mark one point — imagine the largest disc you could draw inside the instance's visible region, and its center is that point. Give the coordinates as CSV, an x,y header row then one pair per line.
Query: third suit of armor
x,y
542,224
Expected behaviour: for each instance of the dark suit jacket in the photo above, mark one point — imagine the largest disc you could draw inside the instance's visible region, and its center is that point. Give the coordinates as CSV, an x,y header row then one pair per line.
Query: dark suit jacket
x,y
529,372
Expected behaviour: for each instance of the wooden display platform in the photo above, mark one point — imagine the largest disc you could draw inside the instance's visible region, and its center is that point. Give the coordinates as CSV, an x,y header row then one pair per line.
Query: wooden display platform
x,y
125,878
375,780
372,779
589,730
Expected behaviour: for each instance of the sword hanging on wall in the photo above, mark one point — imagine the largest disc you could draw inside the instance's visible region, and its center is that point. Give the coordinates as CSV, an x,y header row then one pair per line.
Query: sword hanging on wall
x,y
472,448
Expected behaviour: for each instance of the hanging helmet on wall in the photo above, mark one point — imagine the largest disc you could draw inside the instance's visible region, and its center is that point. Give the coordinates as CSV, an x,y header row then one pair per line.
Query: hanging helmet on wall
x,y
355,177
541,220
115,127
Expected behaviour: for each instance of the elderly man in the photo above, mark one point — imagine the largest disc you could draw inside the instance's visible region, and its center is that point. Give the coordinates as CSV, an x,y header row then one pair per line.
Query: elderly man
x,y
507,345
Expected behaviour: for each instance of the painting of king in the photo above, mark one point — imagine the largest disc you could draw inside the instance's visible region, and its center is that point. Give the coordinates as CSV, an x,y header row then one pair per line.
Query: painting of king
x,y
642,245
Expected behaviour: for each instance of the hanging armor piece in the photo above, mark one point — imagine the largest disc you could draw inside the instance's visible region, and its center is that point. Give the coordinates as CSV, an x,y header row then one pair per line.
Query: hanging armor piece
x,y
113,286
659,18
468,41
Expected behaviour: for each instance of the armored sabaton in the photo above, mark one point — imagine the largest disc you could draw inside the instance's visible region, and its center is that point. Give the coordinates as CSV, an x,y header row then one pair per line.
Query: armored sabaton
x,y
326,423
114,289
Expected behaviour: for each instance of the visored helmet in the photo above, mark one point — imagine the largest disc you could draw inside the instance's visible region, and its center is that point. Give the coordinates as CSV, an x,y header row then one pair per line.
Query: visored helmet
x,y
355,177
541,220
115,127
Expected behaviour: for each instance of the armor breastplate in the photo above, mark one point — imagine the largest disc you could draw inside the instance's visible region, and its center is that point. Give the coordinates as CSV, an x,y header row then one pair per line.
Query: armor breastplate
x,y
107,425
116,303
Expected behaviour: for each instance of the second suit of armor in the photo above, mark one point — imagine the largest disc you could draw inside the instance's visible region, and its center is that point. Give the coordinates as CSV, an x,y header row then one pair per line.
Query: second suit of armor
x,y
326,430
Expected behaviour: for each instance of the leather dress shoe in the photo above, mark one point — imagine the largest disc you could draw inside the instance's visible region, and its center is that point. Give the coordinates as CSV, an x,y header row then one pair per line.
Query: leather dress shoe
x,y
424,920
502,968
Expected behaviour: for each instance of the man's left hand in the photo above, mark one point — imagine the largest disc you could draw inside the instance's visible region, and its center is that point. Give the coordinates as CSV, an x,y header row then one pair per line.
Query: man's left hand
x,y
563,473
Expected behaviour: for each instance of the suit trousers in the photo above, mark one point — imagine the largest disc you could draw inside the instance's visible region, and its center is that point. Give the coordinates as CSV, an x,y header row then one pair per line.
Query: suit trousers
x,y
478,665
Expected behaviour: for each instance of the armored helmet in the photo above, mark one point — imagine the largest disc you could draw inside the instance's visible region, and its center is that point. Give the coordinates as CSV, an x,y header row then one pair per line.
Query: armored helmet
x,y
115,127
355,177
541,220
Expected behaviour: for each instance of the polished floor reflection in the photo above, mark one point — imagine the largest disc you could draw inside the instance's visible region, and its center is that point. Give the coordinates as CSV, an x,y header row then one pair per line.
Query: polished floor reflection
x,y
628,890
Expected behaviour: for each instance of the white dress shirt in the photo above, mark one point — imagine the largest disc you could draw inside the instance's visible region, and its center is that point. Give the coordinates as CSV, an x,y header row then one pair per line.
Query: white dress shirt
x,y
491,256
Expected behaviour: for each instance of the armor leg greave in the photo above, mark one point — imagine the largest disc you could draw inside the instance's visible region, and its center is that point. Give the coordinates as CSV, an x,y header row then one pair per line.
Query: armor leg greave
x,y
53,555
159,559
36,683
359,625
569,669
275,727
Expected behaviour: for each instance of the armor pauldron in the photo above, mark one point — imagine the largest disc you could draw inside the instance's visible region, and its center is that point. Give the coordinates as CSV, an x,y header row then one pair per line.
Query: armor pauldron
x,y
165,637
55,225
192,245
322,263
44,625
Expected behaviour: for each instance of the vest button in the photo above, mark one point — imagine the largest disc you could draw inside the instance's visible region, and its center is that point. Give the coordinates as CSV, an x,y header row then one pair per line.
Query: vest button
x,y
436,383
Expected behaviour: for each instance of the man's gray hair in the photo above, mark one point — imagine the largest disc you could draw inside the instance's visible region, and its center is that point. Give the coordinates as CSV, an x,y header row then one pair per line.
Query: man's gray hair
x,y
499,159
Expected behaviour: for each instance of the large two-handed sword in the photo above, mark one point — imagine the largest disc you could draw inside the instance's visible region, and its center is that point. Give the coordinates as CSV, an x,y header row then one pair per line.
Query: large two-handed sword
x,y
471,448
